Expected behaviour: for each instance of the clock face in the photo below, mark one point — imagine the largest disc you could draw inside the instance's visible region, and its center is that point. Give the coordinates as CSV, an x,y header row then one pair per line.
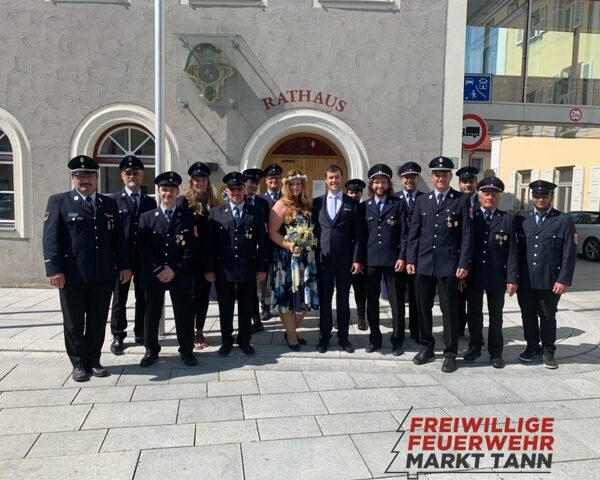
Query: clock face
x,y
209,73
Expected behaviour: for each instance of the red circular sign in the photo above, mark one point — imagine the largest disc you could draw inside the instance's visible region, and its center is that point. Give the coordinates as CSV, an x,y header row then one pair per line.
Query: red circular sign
x,y
576,114
474,131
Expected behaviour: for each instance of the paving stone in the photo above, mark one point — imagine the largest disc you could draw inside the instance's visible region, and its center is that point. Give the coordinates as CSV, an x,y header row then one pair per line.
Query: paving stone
x,y
375,380
131,414
169,392
37,398
478,389
582,387
581,470
60,444
104,395
281,382
223,462
564,409
42,419
347,423
536,388
180,375
569,447
303,459
234,387
234,375
210,409
363,400
288,427
95,382
144,376
376,451
31,377
426,397
585,430
233,431
321,381
99,466
143,438
416,379
283,405
16,446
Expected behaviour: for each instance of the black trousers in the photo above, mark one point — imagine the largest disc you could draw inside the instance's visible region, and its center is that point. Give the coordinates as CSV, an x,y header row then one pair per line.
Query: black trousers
x,y
200,300
85,311
447,288
245,292
336,276
462,299
405,282
118,319
495,300
181,298
540,304
374,277
359,285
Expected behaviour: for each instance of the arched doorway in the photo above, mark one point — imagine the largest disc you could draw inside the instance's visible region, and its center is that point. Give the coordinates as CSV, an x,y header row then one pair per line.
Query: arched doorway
x,y
309,153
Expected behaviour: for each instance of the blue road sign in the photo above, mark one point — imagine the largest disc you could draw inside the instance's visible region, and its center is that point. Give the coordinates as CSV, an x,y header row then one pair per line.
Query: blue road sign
x,y
478,88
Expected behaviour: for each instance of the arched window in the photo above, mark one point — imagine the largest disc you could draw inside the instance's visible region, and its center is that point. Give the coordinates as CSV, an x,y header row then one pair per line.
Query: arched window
x,y
7,183
119,141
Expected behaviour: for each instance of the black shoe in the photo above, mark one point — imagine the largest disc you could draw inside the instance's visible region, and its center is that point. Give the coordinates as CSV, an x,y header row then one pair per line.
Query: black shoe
x,y
529,356
497,362
99,371
247,349
264,316
549,362
139,340
322,347
472,353
148,359
362,325
189,359
257,327
225,349
372,348
424,356
347,347
80,374
301,341
449,365
295,347
397,351
117,347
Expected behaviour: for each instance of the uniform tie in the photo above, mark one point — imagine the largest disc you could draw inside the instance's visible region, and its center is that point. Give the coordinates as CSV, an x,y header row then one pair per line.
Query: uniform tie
x,y
440,198
540,217
91,205
380,205
488,216
236,215
168,214
134,199
411,200
332,210
274,196
251,201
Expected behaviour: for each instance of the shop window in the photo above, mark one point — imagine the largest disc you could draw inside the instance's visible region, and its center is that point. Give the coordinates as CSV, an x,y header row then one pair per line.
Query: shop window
x,y
7,183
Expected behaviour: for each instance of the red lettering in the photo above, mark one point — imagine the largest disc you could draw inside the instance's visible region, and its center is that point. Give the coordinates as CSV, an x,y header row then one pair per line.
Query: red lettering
x,y
414,441
428,442
547,442
415,423
445,425
514,442
471,424
460,442
495,442
318,98
475,442
547,425
268,101
430,424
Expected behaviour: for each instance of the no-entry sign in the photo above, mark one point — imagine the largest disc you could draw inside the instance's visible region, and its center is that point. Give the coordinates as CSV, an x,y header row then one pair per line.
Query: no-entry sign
x,y
474,131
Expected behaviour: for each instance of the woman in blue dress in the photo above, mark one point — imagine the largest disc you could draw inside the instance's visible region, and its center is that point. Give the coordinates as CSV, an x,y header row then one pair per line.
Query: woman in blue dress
x,y
294,272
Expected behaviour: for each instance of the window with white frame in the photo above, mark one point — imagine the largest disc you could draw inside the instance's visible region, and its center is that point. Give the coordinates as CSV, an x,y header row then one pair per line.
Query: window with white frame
x,y
225,3
356,4
564,191
523,191
7,183
113,2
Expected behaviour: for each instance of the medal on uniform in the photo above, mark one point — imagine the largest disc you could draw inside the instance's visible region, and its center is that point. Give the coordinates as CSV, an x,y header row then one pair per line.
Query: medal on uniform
x,y
449,220
456,223
391,221
248,234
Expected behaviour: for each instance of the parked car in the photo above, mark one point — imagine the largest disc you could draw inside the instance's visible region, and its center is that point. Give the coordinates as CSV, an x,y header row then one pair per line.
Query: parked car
x,y
588,232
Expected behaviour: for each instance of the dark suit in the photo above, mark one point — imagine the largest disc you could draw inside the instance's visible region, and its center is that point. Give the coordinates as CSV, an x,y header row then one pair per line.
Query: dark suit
x,y
495,263
171,244
406,282
267,196
339,246
440,241
236,253
130,217
264,206
385,233
88,249
547,254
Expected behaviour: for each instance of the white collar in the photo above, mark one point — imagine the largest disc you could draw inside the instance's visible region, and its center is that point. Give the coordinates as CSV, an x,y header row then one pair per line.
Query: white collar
x,y
240,206
338,195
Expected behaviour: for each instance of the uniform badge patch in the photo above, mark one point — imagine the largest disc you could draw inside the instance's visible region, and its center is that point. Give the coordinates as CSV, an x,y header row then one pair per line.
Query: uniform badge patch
x,y
46,216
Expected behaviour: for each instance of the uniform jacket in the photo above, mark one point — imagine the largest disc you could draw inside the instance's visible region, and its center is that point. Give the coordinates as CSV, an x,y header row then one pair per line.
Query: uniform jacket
x,y
267,197
384,232
236,254
167,243
86,248
199,263
440,239
339,239
547,252
495,252
409,210
264,206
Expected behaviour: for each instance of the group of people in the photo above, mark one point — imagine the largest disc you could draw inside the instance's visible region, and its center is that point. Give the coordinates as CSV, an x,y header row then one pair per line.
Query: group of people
x,y
283,254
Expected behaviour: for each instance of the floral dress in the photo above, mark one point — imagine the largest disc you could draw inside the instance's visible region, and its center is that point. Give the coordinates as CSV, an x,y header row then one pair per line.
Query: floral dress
x,y
293,277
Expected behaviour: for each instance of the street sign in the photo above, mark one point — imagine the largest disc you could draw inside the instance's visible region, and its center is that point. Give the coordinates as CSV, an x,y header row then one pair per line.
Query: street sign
x,y
576,114
478,88
474,131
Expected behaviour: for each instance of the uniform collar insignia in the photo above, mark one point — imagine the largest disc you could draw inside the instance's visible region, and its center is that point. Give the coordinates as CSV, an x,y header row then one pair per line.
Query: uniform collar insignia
x,y
430,196
156,214
76,197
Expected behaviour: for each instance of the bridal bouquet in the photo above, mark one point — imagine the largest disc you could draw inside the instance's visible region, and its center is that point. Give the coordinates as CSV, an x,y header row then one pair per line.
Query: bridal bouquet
x,y
301,235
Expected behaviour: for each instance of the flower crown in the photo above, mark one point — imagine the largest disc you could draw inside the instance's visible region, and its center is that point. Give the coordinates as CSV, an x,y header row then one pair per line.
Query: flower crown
x,y
294,177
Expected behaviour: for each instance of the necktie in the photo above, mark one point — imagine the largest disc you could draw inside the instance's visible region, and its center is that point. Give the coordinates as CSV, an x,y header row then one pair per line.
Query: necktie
x,y
488,216
440,198
134,199
380,205
274,197
236,215
332,210
539,218
168,214
251,200
90,205
411,201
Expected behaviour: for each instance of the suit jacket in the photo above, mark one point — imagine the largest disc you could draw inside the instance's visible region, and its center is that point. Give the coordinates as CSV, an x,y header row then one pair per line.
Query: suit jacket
x,y
409,210
384,232
199,263
268,198
236,254
495,252
440,239
262,204
339,239
167,243
86,248
547,252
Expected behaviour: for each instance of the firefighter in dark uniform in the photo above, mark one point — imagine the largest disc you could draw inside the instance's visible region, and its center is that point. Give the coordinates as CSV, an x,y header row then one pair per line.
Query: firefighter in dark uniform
x,y
354,189
495,270
84,252
467,182
439,251
410,174
384,238
272,176
167,242
132,202
236,261
547,254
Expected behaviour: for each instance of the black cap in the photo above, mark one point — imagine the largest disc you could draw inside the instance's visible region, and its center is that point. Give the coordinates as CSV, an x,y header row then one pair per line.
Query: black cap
x,y
131,162
491,183
409,168
199,169
441,163
355,184
542,187
273,170
253,174
467,173
168,179
380,169
83,165
235,179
